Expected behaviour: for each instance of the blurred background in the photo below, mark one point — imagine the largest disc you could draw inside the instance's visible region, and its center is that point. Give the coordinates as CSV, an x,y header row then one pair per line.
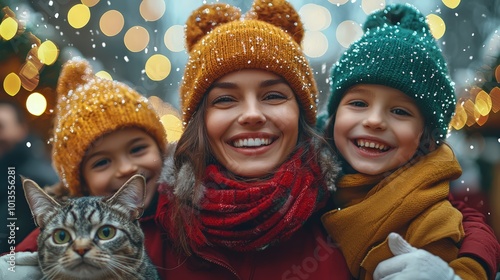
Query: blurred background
x,y
141,43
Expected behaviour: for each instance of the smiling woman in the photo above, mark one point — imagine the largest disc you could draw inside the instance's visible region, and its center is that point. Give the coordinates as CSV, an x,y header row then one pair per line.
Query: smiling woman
x,y
245,182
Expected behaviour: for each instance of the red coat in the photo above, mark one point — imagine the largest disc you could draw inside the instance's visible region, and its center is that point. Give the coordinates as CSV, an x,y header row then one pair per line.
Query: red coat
x,y
304,253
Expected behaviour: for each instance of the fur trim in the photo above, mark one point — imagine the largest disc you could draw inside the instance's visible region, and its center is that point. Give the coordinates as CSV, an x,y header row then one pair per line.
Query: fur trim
x,y
330,166
167,175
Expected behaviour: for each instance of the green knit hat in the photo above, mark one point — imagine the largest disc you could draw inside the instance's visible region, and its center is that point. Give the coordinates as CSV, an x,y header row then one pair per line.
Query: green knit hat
x,y
399,51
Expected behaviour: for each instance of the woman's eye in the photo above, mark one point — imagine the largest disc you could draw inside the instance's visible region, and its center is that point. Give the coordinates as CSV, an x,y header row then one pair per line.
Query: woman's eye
x,y
222,99
61,236
401,112
274,95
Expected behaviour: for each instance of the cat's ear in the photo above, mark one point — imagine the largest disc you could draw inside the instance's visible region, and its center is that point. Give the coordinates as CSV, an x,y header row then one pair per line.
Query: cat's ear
x,y
39,201
130,197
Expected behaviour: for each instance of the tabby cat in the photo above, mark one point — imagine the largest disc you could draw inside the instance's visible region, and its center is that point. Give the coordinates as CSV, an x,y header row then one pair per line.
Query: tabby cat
x,y
91,237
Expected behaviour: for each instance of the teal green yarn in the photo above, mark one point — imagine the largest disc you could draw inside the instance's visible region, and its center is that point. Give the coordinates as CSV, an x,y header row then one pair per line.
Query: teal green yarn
x,y
399,51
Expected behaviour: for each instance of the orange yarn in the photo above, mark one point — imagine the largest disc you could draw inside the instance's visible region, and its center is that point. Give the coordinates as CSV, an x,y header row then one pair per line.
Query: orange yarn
x,y
88,108
268,37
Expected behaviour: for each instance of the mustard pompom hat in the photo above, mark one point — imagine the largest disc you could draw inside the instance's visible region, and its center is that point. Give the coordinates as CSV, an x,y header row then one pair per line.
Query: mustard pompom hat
x,y
89,107
220,40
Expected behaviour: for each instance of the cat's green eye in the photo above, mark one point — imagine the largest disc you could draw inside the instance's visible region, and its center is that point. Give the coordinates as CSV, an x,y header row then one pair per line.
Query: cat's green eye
x,y
61,236
106,232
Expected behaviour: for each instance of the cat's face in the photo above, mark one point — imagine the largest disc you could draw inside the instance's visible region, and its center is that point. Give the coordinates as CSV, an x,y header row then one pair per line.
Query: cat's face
x,y
90,237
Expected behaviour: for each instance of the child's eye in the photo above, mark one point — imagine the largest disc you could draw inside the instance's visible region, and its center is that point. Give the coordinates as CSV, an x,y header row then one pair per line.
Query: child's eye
x,y
401,112
358,103
101,163
138,149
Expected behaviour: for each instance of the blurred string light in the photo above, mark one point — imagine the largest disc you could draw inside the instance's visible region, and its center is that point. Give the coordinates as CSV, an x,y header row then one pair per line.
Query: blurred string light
x,y
28,76
152,10
171,38
105,75
36,104
452,4
136,39
78,16
170,118
111,23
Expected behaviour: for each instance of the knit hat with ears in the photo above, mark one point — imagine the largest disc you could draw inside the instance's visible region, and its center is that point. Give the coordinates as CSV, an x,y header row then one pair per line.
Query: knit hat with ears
x,y
399,51
220,40
89,107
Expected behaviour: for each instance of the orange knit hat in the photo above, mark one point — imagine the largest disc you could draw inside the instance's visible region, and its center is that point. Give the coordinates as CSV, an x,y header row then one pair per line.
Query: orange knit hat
x,y
88,108
219,41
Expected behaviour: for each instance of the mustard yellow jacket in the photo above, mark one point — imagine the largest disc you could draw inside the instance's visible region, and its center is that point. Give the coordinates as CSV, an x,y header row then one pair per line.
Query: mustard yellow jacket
x,y
411,201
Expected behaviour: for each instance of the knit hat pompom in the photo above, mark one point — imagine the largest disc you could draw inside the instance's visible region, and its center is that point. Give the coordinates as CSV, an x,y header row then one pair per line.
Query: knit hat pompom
x,y
88,108
206,18
398,50
288,18
400,16
77,72
268,37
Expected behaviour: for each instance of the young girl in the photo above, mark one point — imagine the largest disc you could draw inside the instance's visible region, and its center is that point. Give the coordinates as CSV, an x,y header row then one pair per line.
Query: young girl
x,y
389,110
242,195
104,133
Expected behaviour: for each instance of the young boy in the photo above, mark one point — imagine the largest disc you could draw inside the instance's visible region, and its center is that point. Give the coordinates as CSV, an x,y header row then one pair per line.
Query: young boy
x,y
104,133
389,110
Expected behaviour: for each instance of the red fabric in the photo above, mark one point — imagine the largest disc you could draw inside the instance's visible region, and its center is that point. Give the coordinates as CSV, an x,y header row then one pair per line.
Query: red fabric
x,y
480,241
246,216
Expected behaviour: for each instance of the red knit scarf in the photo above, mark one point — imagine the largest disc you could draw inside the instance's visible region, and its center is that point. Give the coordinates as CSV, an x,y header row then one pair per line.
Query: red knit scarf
x,y
245,216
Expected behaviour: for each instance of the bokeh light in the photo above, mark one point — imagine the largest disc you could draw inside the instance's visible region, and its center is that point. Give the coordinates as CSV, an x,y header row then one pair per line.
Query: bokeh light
x,y
36,104
460,118
30,77
314,44
495,99
136,39
8,28
173,126
437,25
152,10
90,3
452,4
497,73
338,2
158,67
347,32
48,52
370,6
105,75
12,84
173,38
111,23
78,16
483,103
315,17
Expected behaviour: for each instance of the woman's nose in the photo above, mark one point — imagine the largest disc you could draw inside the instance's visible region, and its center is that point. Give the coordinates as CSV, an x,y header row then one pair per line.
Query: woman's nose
x,y
252,114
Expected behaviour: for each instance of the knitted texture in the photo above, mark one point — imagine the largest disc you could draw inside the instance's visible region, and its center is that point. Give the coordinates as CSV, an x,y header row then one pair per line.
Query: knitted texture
x,y
88,108
219,41
248,216
399,51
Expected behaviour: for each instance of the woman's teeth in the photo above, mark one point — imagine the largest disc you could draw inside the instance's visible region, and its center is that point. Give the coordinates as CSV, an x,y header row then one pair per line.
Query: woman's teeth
x,y
251,142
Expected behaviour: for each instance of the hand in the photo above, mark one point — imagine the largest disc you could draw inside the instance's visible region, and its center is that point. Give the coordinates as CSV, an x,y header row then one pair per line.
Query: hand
x,y
20,265
412,263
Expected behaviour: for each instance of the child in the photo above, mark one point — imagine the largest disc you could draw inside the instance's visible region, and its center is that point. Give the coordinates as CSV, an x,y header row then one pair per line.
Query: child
x,y
104,133
242,195
389,110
